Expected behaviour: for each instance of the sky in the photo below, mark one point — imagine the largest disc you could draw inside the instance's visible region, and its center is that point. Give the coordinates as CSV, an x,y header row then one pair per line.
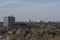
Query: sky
x,y
36,10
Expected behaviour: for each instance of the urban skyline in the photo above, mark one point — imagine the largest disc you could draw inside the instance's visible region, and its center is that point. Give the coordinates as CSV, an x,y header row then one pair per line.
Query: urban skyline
x,y
29,19
30,9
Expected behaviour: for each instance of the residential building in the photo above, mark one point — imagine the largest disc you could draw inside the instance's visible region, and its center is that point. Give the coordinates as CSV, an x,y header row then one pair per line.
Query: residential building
x,y
9,21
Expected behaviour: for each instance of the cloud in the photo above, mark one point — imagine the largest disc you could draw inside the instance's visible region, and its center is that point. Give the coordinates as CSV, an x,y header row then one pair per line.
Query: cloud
x,y
8,2
53,4
29,4
36,4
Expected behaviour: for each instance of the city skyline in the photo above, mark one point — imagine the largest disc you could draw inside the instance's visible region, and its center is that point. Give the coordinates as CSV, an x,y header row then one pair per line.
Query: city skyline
x,y
31,9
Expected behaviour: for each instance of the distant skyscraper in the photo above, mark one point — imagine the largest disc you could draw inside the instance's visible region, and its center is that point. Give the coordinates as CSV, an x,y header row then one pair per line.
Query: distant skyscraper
x,y
9,21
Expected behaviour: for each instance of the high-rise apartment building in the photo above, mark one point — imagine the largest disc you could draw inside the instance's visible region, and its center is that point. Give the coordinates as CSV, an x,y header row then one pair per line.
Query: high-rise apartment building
x,y
9,21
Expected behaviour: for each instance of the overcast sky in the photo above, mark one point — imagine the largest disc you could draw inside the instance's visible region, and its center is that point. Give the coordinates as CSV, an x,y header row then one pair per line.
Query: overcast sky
x,y
48,10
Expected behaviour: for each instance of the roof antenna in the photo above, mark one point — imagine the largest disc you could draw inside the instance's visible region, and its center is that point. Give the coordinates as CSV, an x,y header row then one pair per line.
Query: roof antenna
x,y
11,15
